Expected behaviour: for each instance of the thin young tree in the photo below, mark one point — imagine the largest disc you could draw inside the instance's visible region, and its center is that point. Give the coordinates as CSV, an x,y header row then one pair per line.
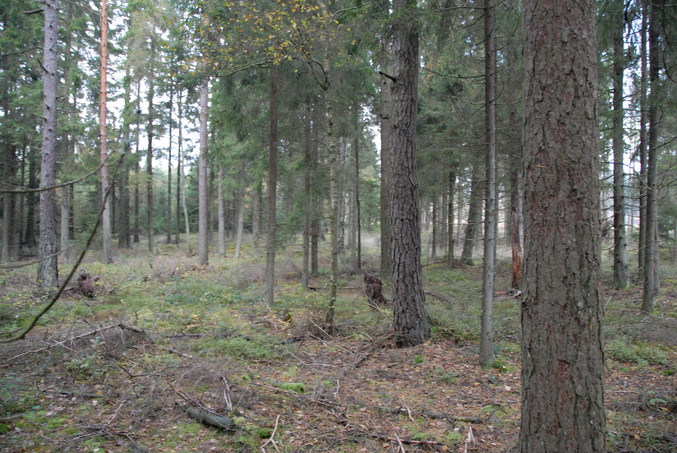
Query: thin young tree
x,y
411,323
48,268
620,241
487,356
203,225
562,356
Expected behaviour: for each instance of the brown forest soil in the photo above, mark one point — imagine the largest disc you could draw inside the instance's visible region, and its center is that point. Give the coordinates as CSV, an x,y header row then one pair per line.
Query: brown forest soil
x,y
120,380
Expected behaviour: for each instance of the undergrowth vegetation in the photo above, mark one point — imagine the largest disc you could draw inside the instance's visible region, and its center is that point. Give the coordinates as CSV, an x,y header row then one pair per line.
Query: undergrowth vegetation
x,y
112,373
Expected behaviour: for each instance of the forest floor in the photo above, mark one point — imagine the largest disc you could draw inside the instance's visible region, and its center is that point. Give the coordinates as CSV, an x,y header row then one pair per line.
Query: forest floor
x,y
163,345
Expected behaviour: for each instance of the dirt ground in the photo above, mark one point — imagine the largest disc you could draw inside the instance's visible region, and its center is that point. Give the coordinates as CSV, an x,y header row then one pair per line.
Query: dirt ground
x,y
102,383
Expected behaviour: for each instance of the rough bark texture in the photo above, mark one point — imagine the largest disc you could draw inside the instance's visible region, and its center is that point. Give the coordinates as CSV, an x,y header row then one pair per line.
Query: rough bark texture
x,y
487,356
48,267
106,223
411,323
386,133
149,153
272,188
651,281
203,227
620,241
563,362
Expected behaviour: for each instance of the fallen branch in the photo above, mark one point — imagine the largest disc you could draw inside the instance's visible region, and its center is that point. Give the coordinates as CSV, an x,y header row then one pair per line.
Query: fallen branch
x,y
209,419
77,337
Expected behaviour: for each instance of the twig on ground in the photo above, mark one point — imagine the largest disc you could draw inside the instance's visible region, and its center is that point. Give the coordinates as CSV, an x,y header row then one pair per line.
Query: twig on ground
x,y
271,439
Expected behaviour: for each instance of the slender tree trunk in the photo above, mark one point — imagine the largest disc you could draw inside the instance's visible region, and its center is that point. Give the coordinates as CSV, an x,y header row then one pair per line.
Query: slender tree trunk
x,y
487,356
450,218
562,356
643,139
169,168
651,280
123,217
29,230
150,208
433,235
179,157
48,267
386,151
358,215
272,189
106,224
222,213
411,323
473,214
307,193
240,223
203,218
620,241
137,169
66,144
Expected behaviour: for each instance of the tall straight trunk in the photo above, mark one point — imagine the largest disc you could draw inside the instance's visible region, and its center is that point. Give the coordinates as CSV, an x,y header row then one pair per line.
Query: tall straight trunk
x,y
620,241
66,143
450,218
179,179
221,213
256,211
487,356
643,138
307,193
433,236
357,246
150,132
240,223
48,268
411,323
651,280
137,169
123,217
562,355
106,224
29,231
8,204
203,217
473,214
169,168
272,188
386,268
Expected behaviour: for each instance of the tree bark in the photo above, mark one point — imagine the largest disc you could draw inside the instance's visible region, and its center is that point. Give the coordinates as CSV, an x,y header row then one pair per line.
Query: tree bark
x,y
643,138
562,356
651,280
487,356
203,224
221,205
272,188
106,224
411,323
123,217
473,214
149,153
620,241
450,218
48,267
307,193
386,267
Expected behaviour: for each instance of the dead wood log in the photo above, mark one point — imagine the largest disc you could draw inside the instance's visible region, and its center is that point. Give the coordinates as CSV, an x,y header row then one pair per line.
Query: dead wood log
x,y
206,418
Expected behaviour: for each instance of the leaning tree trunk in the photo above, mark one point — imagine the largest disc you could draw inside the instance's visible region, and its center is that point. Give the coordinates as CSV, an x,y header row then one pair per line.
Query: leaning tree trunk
x,y
562,356
411,323
48,267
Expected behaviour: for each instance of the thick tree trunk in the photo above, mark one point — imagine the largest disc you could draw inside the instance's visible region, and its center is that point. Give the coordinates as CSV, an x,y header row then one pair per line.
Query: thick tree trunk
x,y
48,267
106,223
643,139
411,323
203,225
385,108
487,356
562,356
272,188
651,280
620,241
